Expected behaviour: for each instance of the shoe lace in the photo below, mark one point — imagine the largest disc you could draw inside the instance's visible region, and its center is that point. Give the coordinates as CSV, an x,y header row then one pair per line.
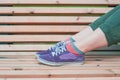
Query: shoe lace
x,y
58,49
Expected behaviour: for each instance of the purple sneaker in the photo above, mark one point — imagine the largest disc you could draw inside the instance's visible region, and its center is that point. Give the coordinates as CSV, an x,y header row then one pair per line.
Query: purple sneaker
x,y
61,43
60,56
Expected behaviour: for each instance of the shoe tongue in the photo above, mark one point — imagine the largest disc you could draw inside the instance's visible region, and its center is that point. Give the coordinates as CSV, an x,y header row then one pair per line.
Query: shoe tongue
x,y
71,49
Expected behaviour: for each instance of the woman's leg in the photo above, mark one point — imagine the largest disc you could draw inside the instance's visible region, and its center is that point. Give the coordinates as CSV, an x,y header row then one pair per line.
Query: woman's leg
x,y
82,34
95,40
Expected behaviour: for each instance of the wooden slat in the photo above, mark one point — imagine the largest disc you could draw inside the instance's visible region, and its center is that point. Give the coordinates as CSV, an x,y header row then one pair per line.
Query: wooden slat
x,y
27,60
52,10
66,67
46,20
36,47
42,29
87,64
93,78
58,73
24,47
32,38
17,53
102,2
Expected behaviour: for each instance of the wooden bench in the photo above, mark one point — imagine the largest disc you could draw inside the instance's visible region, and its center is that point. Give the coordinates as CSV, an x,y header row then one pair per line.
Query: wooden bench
x,y
27,26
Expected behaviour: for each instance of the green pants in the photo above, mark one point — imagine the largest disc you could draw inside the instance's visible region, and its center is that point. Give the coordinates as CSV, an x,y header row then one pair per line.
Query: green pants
x,y
110,25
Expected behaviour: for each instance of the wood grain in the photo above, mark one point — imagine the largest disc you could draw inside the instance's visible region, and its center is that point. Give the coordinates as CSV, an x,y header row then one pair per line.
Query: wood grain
x,y
97,2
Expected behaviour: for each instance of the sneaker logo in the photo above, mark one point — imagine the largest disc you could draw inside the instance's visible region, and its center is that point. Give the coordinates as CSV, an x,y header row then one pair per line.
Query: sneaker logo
x,y
53,54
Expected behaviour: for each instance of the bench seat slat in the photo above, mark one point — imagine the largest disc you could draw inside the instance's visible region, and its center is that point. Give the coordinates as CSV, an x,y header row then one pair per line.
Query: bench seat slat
x,y
90,78
58,73
90,64
57,68
102,2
